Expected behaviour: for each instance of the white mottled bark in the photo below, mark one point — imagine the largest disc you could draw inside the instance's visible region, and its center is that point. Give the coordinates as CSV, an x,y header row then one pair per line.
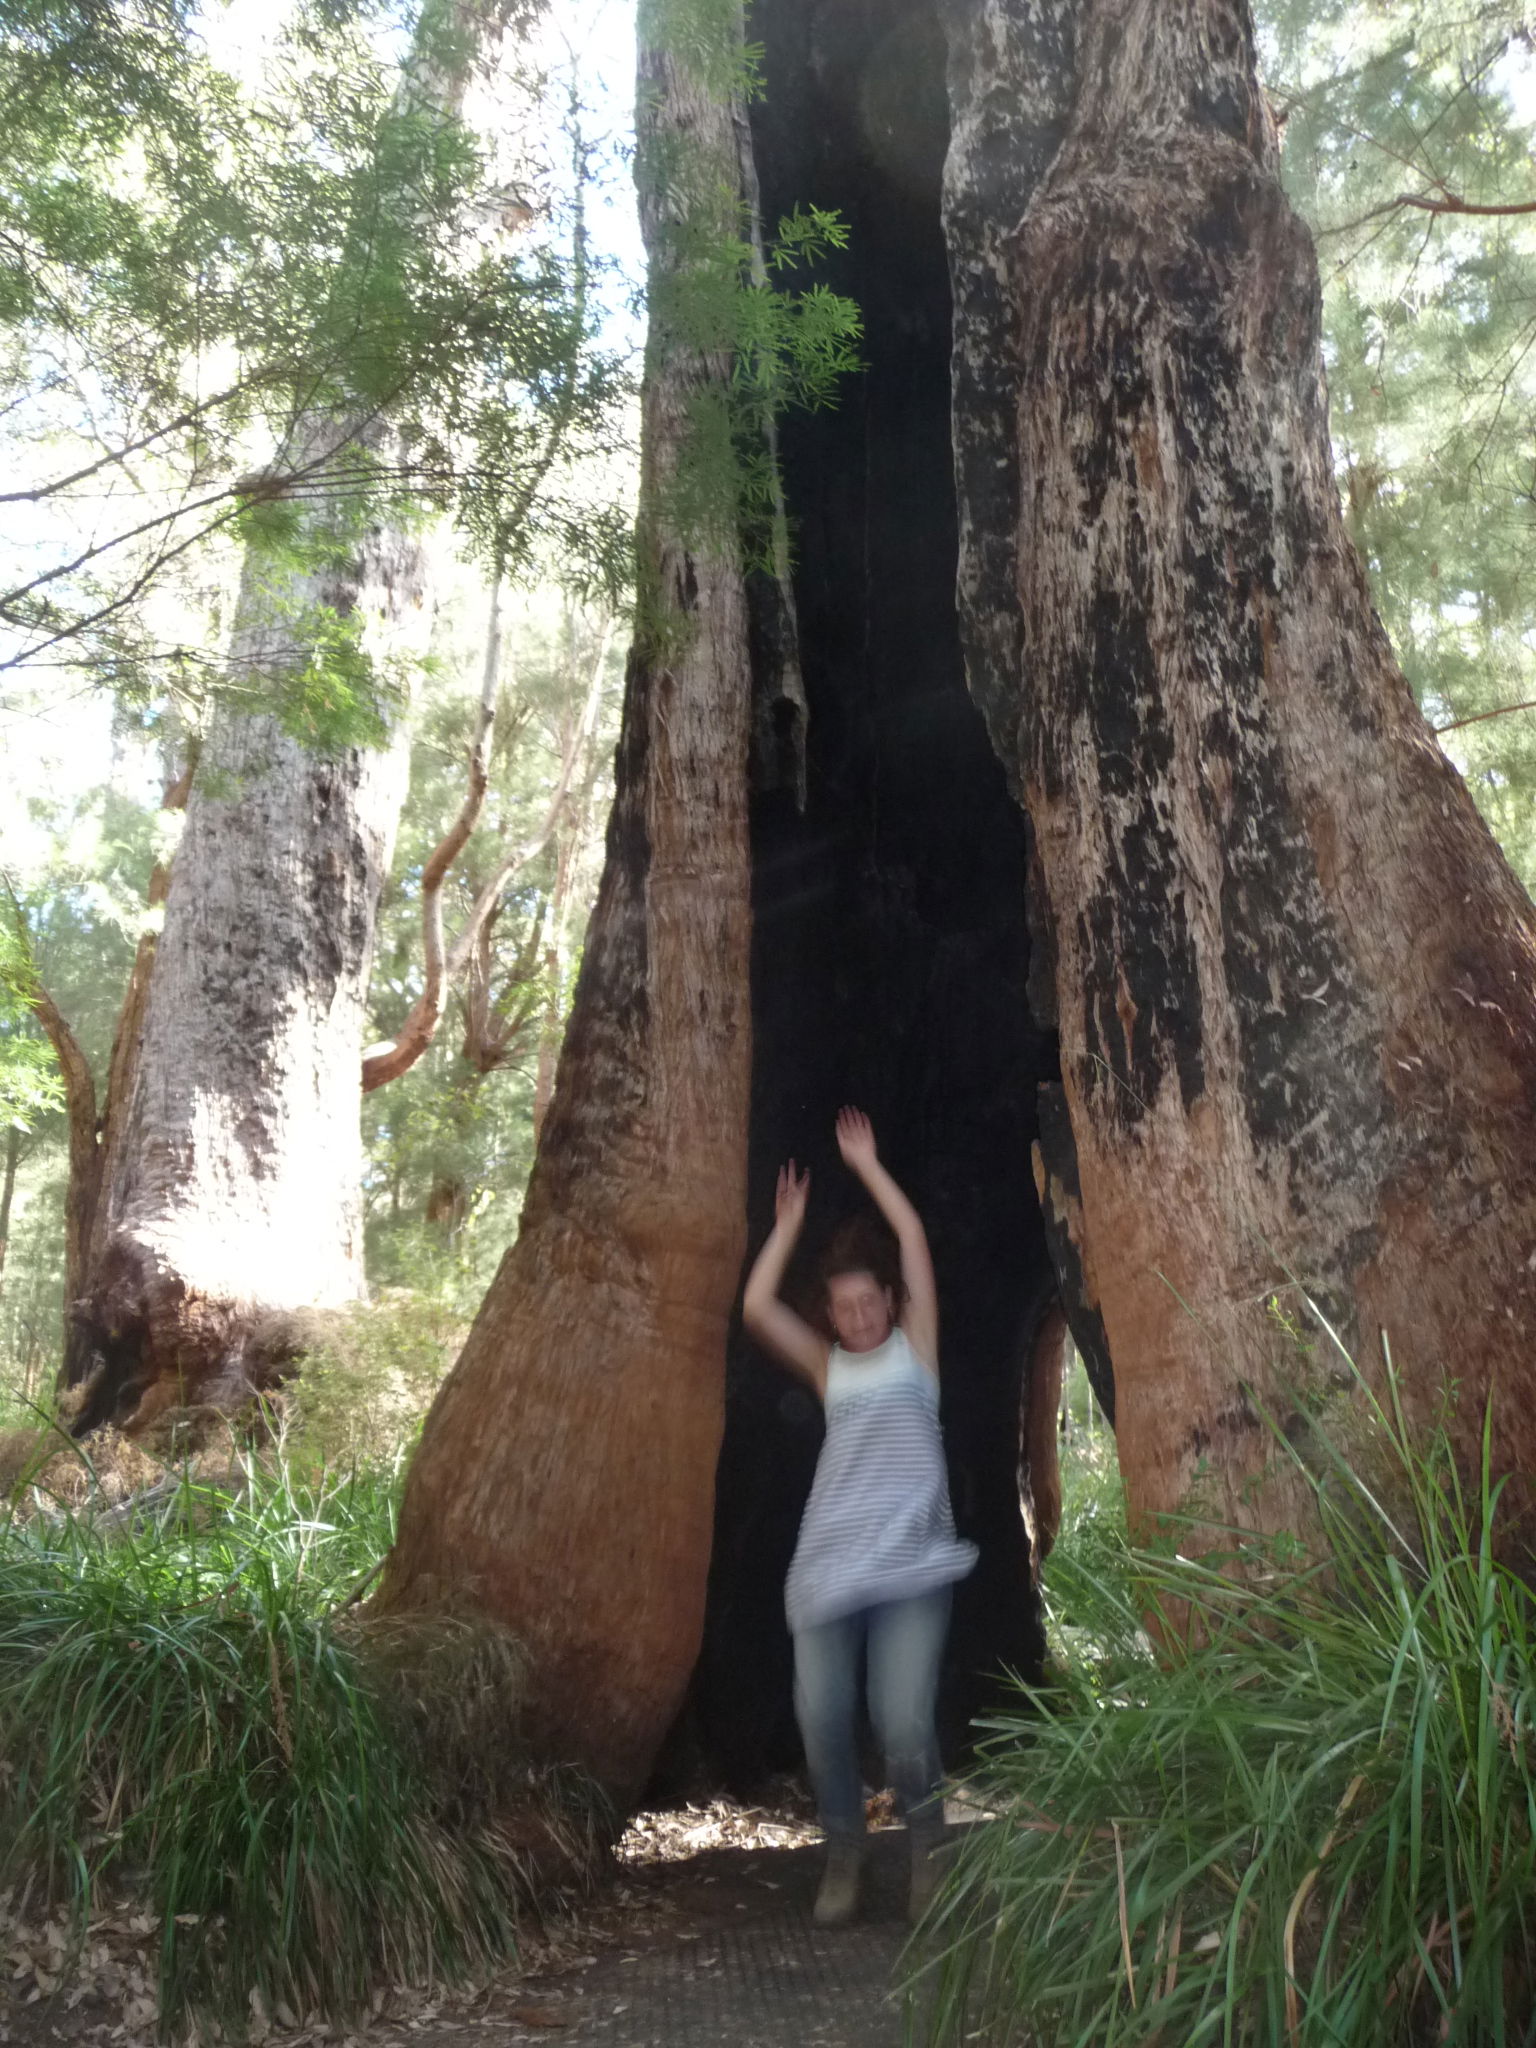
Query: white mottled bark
x,y
233,1187
234,1197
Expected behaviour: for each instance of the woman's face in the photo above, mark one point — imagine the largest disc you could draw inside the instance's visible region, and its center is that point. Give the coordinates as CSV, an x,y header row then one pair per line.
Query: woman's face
x,y
863,1312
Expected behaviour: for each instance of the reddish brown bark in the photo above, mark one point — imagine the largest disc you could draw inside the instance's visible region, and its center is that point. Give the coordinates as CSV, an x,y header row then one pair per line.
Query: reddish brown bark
x,y
1293,975
1040,1473
442,967
388,1063
566,1473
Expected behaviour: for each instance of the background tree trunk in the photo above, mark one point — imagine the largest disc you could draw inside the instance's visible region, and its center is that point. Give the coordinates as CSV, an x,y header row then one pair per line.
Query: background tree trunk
x,y
1293,974
233,1199
231,1188
565,1478
8,1189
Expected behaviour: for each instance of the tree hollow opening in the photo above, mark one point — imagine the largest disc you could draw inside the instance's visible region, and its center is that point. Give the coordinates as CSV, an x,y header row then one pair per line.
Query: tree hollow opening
x,y
891,950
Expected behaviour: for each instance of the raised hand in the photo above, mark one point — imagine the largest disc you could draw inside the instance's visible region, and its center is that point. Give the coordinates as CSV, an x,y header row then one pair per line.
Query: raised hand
x,y
773,1322
789,1196
856,1139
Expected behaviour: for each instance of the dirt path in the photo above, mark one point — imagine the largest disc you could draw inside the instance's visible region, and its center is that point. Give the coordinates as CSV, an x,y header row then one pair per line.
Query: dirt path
x,y
704,1938
729,1955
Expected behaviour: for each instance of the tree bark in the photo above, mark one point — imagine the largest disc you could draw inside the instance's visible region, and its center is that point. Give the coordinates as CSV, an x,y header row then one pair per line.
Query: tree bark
x,y
565,1477
95,1137
1040,1464
1293,974
570,852
231,1200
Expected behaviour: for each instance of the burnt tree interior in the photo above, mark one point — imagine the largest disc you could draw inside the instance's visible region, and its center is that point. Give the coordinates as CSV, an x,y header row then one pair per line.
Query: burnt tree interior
x,y
891,950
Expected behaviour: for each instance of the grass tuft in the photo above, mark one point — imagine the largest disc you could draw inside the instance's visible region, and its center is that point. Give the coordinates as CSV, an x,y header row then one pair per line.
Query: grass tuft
x,y
316,1806
1311,1821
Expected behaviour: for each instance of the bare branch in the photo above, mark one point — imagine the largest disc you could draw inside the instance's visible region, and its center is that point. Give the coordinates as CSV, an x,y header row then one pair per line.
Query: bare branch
x,y
1451,202
115,456
1477,717
416,1034
531,848
389,1062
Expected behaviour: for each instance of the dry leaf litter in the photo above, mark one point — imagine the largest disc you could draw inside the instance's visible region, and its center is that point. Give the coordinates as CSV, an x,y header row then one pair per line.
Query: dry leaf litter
x,y
57,1986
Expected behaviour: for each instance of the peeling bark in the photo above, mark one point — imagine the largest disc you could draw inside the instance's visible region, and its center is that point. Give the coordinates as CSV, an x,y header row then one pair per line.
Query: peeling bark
x,y
565,1478
1293,974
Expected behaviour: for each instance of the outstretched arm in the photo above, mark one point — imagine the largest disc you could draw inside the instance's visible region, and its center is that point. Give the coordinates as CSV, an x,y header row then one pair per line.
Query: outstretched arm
x,y
920,1316
772,1322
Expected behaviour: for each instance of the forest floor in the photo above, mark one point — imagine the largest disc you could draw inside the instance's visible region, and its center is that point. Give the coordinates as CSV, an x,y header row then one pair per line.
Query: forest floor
x,y
703,1936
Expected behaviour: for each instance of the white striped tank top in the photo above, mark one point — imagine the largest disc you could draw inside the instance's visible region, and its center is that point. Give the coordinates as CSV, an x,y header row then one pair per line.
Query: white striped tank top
x,y
878,1525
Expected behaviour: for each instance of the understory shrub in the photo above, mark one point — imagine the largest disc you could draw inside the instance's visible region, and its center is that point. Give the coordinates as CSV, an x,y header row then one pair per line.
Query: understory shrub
x,y
315,1805
367,1376
1309,1819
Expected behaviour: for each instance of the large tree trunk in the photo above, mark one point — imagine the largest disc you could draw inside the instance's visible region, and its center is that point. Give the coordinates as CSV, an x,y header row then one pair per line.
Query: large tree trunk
x,y
566,1474
233,1200
230,1202
1293,974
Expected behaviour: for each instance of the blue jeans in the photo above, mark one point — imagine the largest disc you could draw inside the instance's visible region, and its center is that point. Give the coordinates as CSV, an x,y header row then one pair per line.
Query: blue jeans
x,y
903,1641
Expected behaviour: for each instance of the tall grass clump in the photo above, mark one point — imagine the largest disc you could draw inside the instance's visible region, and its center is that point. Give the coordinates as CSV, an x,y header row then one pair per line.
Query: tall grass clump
x,y
314,1806
1309,1819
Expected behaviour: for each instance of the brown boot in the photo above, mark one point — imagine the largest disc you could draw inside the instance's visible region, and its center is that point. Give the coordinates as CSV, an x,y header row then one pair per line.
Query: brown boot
x,y
927,1839
837,1901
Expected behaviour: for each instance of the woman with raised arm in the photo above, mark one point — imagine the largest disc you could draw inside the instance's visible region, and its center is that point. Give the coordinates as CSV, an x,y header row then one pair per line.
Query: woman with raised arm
x,y
878,1555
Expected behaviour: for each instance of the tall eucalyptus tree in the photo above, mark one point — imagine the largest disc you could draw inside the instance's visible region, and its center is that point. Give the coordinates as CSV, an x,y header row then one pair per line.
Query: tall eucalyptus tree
x,y
231,1188
1283,1029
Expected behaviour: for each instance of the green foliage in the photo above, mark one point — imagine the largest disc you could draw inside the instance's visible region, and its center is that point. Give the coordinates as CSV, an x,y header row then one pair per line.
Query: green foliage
x,y
1429,325
316,1805
196,266
1094,1640
786,348
29,1077
334,695
704,37
368,1376
1312,1820
32,1297
751,344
